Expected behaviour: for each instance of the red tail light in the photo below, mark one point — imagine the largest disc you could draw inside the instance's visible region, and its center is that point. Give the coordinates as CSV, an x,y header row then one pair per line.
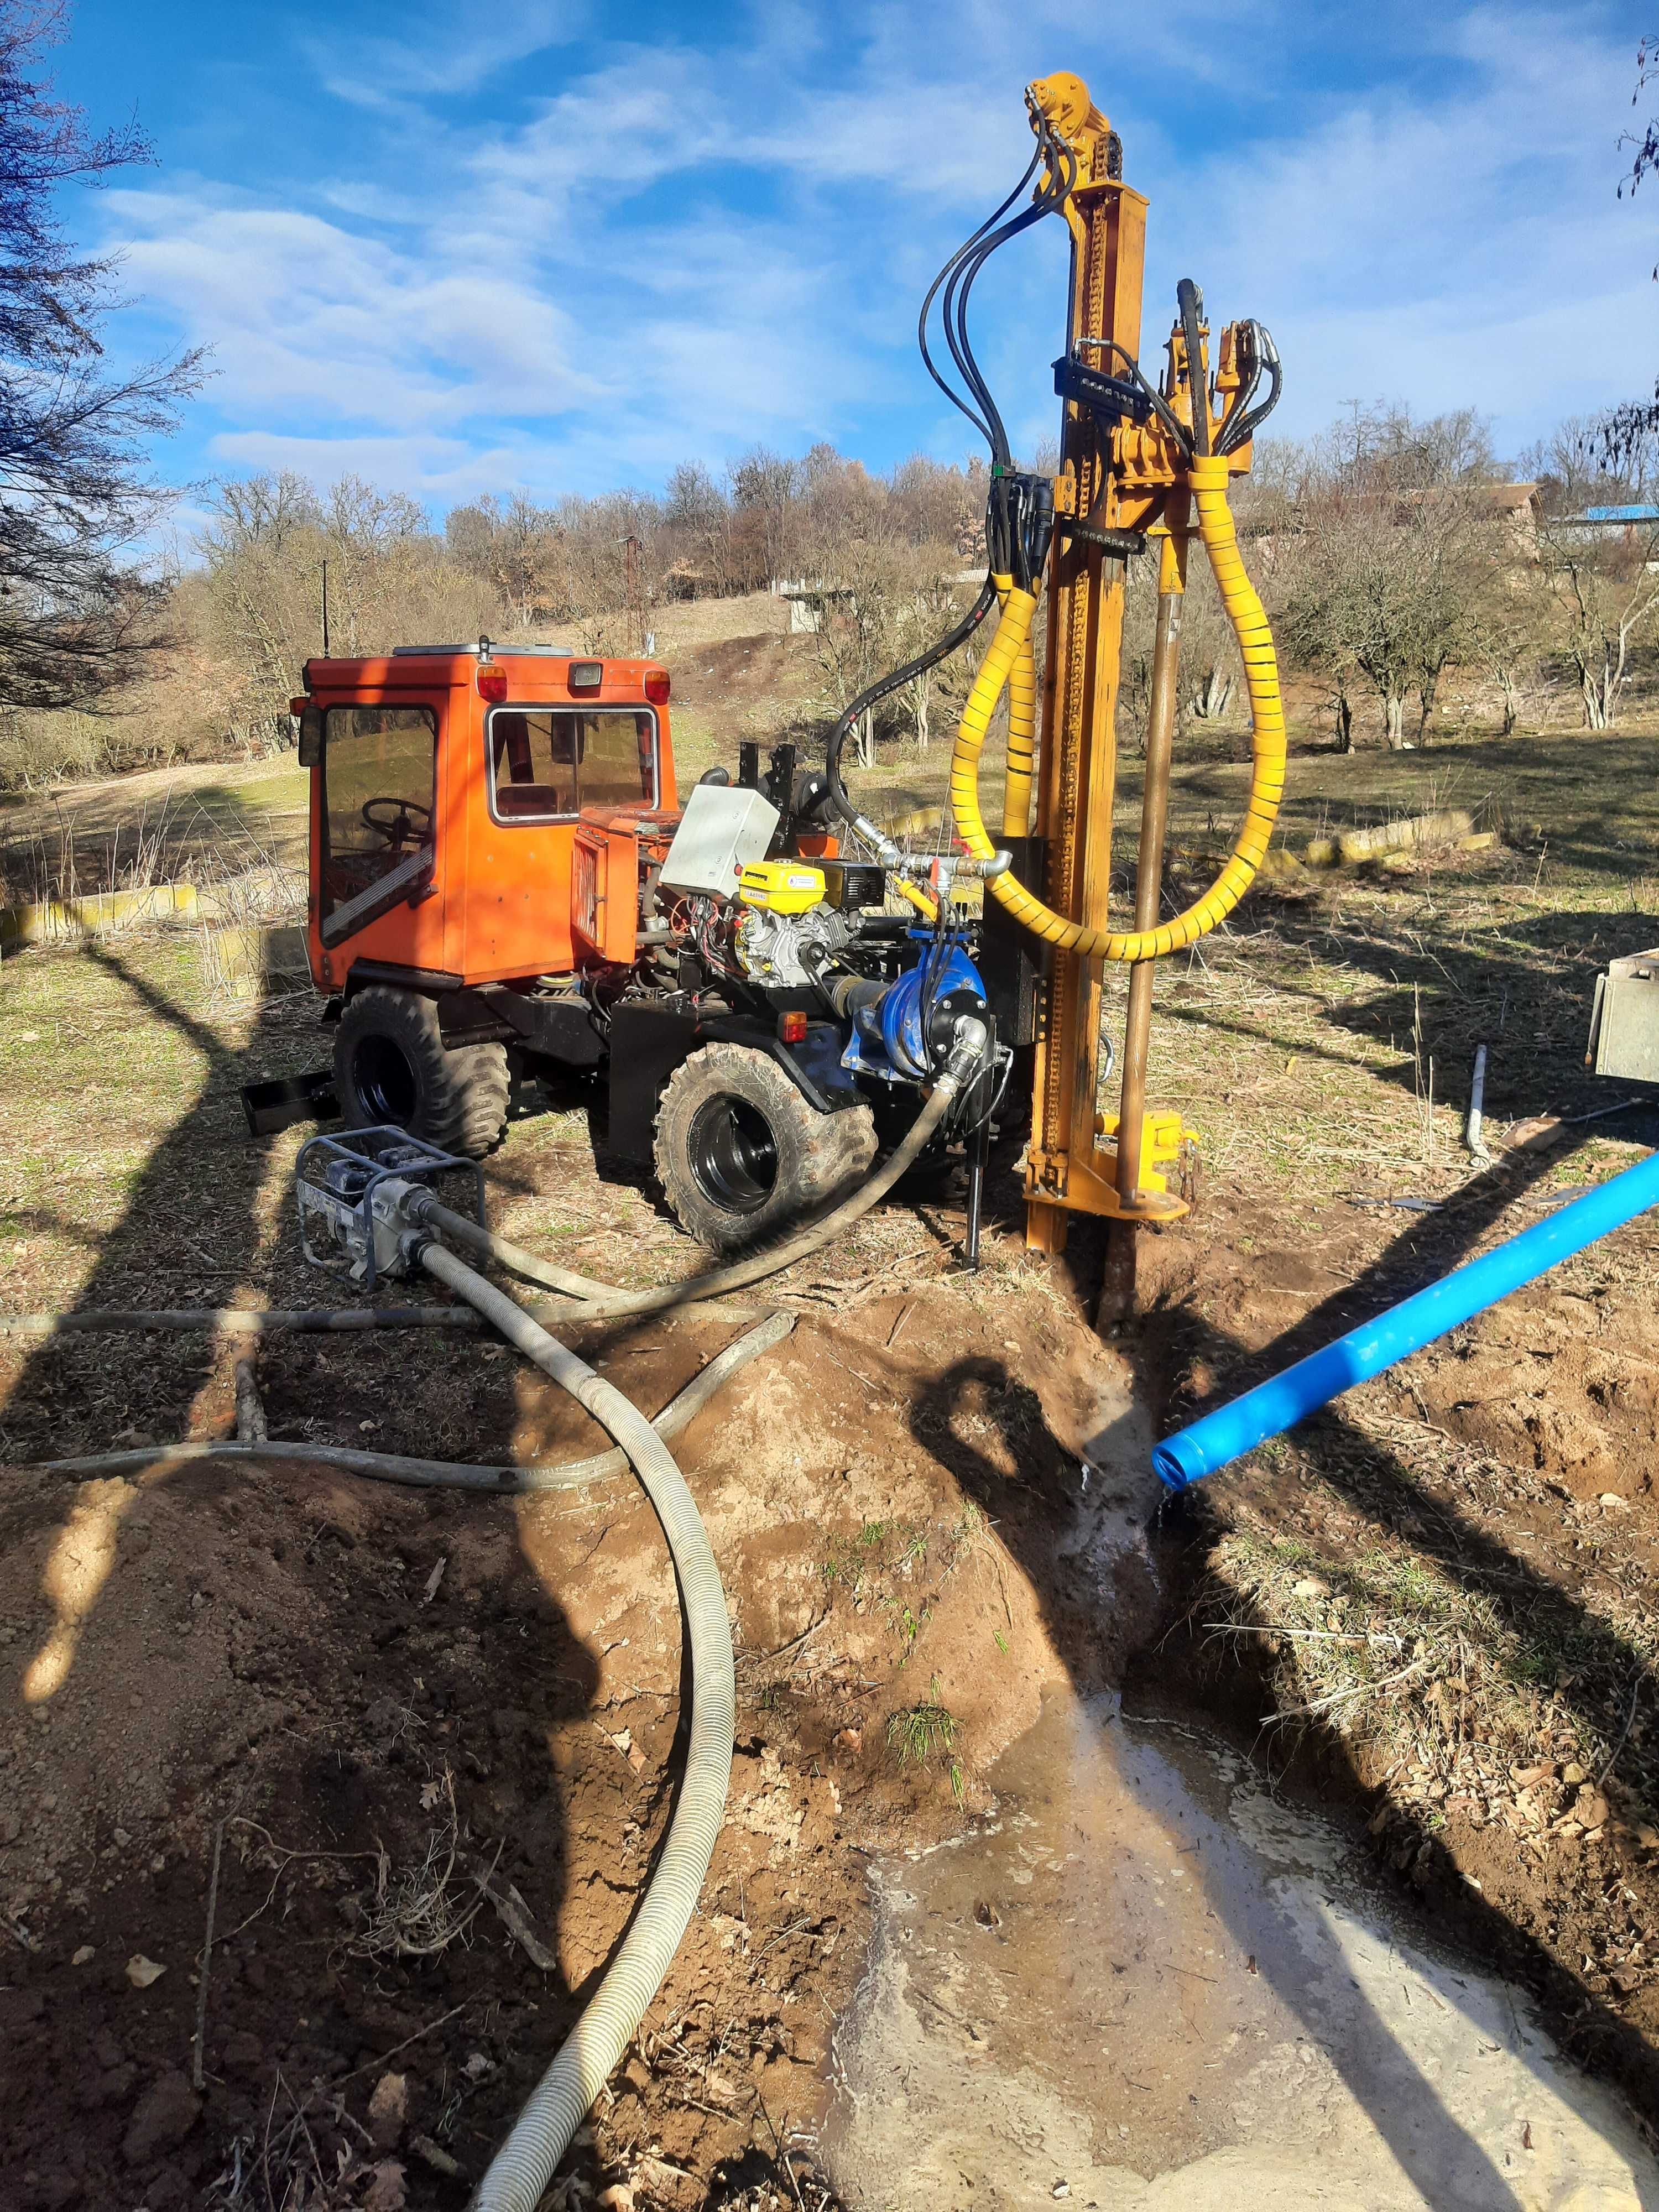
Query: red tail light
x,y
791,1028
656,686
492,684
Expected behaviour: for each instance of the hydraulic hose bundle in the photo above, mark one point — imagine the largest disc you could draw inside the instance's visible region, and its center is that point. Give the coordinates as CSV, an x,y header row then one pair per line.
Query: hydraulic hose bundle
x,y
1019,525
1019,515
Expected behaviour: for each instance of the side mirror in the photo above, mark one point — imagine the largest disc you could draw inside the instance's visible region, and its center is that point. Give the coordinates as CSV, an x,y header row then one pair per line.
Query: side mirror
x,y
311,737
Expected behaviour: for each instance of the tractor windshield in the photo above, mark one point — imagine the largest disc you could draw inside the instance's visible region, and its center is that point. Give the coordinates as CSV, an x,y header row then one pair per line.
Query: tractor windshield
x,y
547,764
379,788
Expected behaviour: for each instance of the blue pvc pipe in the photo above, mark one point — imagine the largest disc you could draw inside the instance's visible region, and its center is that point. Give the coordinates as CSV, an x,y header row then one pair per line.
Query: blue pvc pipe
x,y
1275,1406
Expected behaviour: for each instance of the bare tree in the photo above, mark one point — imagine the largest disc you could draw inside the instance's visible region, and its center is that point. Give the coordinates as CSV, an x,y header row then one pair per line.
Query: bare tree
x,y
75,613
1607,593
1604,590
698,523
764,486
1646,159
1381,533
391,582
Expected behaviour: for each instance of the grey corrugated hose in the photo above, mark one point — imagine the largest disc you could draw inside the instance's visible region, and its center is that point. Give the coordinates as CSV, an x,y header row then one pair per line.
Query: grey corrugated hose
x,y
524,2166
602,1302
451,1474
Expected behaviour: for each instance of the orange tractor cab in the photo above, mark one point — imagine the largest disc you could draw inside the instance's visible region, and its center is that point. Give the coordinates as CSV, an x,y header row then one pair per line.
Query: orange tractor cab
x,y
503,882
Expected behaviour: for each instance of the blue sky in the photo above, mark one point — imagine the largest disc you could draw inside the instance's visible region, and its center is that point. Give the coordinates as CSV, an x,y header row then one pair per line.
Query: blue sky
x,y
553,246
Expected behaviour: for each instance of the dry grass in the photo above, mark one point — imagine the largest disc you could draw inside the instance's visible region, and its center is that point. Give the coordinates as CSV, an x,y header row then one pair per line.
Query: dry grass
x,y
1450,1684
245,872
415,1911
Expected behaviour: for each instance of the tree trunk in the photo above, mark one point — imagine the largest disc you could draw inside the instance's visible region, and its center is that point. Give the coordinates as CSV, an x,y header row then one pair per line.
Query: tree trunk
x,y
1589,687
1344,723
1427,691
1211,697
1512,702
923,732
1394,720
867,741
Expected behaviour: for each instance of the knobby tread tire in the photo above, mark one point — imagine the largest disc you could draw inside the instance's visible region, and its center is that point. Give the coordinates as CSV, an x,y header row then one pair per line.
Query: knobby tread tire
x,y
461,1091
821,1156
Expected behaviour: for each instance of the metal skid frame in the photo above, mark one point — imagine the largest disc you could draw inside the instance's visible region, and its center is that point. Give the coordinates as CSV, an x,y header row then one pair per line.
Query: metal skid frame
x,y
344,1183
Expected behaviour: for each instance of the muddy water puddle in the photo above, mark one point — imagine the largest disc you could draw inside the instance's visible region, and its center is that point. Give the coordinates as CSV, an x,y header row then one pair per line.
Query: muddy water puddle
x,y
1147,1983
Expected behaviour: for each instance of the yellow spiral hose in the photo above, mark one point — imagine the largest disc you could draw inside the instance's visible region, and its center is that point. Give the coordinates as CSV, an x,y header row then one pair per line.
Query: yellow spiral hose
x,y
1012,647
1022,732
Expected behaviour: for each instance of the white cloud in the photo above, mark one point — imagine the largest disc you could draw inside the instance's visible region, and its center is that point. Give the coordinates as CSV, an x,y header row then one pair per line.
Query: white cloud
x,y
442,51
1467,251
681,250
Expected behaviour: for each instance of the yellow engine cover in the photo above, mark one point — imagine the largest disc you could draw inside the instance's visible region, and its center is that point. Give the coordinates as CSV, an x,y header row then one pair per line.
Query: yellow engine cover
x,y
781,886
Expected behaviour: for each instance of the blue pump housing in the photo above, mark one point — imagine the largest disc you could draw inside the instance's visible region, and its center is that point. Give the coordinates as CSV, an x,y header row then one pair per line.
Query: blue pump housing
x,y
888,1039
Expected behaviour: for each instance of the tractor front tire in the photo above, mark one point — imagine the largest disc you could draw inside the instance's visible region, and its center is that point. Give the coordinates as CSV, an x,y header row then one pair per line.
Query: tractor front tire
x,y
392,1066
741,1153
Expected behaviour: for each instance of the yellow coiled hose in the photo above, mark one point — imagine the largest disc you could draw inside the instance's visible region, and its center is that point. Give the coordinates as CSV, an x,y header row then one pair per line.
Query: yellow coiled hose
x,y
1011,648
1022,731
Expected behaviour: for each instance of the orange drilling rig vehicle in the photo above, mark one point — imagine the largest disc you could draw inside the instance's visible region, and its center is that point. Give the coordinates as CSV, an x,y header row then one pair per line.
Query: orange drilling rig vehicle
x,y
503,877
503,881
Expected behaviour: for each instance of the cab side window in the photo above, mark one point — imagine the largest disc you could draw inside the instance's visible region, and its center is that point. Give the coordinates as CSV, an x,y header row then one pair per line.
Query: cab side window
x,y
532,766
546,764
379,794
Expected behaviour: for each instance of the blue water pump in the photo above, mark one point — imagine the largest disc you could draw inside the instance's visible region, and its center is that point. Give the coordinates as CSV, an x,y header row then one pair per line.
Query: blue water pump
x,y
903,1034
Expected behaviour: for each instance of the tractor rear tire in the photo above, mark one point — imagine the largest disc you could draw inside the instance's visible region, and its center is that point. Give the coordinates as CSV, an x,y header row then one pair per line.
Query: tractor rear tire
x,y
392,1066
741,1153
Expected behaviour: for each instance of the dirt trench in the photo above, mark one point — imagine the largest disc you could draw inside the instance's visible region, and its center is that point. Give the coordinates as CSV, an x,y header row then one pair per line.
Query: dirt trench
x,y
431,1744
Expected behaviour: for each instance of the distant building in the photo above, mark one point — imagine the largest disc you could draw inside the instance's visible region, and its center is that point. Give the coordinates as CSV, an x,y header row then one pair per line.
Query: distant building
x,y
1636,525
1518,503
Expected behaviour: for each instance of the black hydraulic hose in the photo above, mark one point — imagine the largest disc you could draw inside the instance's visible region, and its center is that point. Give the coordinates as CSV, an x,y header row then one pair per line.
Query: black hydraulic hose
x,y
955,282
1192,310
451,1474
971,258
1246,421
956,635
1154,398
923,319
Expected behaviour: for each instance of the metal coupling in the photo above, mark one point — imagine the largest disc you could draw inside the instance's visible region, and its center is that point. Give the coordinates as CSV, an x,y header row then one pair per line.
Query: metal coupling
x,y
968,1047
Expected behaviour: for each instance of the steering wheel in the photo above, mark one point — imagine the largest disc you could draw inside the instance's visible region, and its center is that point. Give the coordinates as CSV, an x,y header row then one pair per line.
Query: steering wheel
x,y
404,828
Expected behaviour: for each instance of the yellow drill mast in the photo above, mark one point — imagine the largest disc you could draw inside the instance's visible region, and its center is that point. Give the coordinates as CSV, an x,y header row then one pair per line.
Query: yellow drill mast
x,y
1117,480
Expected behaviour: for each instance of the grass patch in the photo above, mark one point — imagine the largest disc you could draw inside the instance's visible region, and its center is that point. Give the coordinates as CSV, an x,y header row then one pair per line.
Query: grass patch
x,y
891,1546
918,1734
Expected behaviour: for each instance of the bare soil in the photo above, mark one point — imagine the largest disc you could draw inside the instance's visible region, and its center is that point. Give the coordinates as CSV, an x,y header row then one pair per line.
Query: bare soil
x,y
370,1703
1433,1607
1436,1600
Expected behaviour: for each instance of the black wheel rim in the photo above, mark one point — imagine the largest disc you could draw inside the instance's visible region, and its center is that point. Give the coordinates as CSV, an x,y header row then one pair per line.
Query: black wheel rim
x,y
733,1154
384,1081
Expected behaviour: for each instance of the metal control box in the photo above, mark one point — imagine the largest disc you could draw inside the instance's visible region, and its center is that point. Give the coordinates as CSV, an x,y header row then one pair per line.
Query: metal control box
x,y
1624,1038
723,828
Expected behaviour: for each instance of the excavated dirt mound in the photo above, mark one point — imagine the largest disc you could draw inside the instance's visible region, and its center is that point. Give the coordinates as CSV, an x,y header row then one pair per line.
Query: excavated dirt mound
x,y
433,1743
